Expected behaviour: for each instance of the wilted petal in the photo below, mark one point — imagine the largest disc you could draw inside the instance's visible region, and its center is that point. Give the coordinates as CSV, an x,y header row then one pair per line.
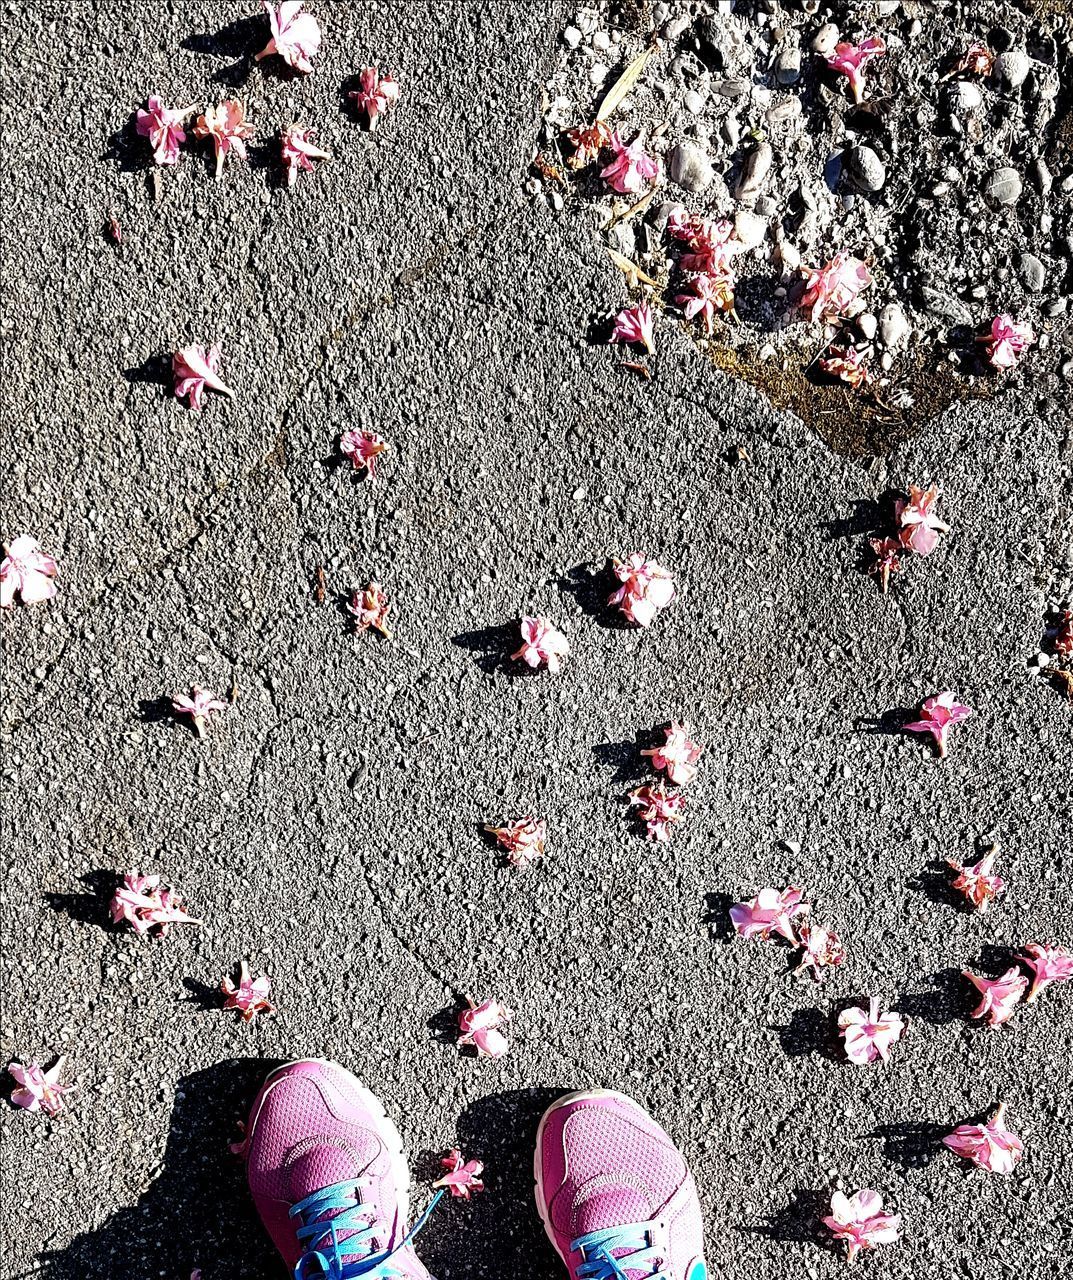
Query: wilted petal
x,y
26,571
771,911
632,168
295,35
299,151
850,60
194,368
939,714
634,325
859,1220
163,126
227,126
200,706
480,1026
1006,341
989,1146
145,905
659,810
375,95
678,755
999,997
869,1034
463,1177
976,883
1048,964
38,1089
362,448
542,645
918,524
249,997
523,841
832,290
370,608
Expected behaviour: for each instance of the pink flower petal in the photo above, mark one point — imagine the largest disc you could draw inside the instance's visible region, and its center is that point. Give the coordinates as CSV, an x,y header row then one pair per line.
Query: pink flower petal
x,y
26,571
480,1027
989,1146
375,95
832,290
248,996
463,1177
370,608
163,126
295,35
227,126
201,706
976,883
632,168
524,841
918,525
678,755
142,903
647,587
939,714
850,60
299,151
659,809
771,911
1048,964
634,325
869,1034
999,997
194,368
859,1220
542,645
1007,341
38,1089
362,448
822,949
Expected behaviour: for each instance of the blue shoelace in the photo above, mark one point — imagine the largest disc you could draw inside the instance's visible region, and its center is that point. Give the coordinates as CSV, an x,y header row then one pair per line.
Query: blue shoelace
x,y
326,1256
598,1247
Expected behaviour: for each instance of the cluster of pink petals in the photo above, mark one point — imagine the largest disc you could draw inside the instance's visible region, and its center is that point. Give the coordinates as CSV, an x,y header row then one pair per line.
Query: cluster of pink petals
x,y
999,997
299,151
989,1146
1006,341
918,525
369,608
708,294
38,1089
523,841
821,949
887,553
463,1177
659,809
771,911
1048,964
977,60
847,364
976,883
869,1034
163,126
542,645
362,448
634,325
646,588
588,141
194,368
632,168
375,95
1062,636
712,245
860,1221
295,35
200,707
26,571
831,290
227,126
938,715
678,755
481,1026
145,905
249,996
850,60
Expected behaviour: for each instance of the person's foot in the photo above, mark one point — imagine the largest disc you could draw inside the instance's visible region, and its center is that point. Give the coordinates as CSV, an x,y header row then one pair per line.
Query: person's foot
x,y
615,1194
327,1173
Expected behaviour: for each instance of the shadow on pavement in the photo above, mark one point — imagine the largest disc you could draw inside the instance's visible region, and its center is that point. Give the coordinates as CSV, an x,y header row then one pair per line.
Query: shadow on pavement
x,y
800,1221
625,757
91,907
812,1031
592,586
947,1002
493,647
912,1144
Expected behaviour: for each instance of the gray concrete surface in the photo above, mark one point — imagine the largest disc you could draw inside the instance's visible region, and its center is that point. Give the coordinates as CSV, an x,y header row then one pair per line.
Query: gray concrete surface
x,y
328,828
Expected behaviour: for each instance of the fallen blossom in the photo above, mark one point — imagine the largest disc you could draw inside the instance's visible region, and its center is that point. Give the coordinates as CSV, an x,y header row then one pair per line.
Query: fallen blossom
x,y
1061,634
145,905
869,1034
710,293
989,1146
1006,341
299,151
822,949
771,911
918,525
480,1026
976,883
115,231
632,169
375,96
362,448
194,368
163,126
999,997
588,141
26,571
977,60
711,243
295,35
38,1089
678,755
370,609
1048,964
646,588
248,996
200,706
658,809
887,552
523,841
542,644
860,1221
850,60
634,324
831,290
847,364
463,1177
937,715
227,126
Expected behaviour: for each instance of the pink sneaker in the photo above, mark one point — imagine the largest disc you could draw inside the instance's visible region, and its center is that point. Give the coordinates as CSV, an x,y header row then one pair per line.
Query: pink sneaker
x,y
328,1176
616,1196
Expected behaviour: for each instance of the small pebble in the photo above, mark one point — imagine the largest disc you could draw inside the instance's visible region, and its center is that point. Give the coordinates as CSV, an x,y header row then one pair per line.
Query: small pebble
x,y
824,41
1013,66
754,170
863,168
1033,273
788,66
1002,186
571,37
689,167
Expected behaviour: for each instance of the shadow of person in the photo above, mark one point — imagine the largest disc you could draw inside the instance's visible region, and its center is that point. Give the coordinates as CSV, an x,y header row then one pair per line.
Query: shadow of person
x,y
198,1213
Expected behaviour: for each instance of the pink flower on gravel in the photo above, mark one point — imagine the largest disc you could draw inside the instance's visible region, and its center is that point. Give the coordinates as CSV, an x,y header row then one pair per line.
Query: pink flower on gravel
x,y
976,883
977,60
588,141
999,997
362,448
194,368
375,95
481,1026
771,911
39,1090
634,324
463,1177
711,243
869,1034
832,289
1048,964
370,608
523,841
145,905
201,706
918,525
542,645
860,1221
659,809
887,552
248,996
678,755
295,35
1006,341
850,60
646,588
227,126
990,1146
299,151
822,949
710,293
847,364
27,571
632,168
163,126
1062,633
937,715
